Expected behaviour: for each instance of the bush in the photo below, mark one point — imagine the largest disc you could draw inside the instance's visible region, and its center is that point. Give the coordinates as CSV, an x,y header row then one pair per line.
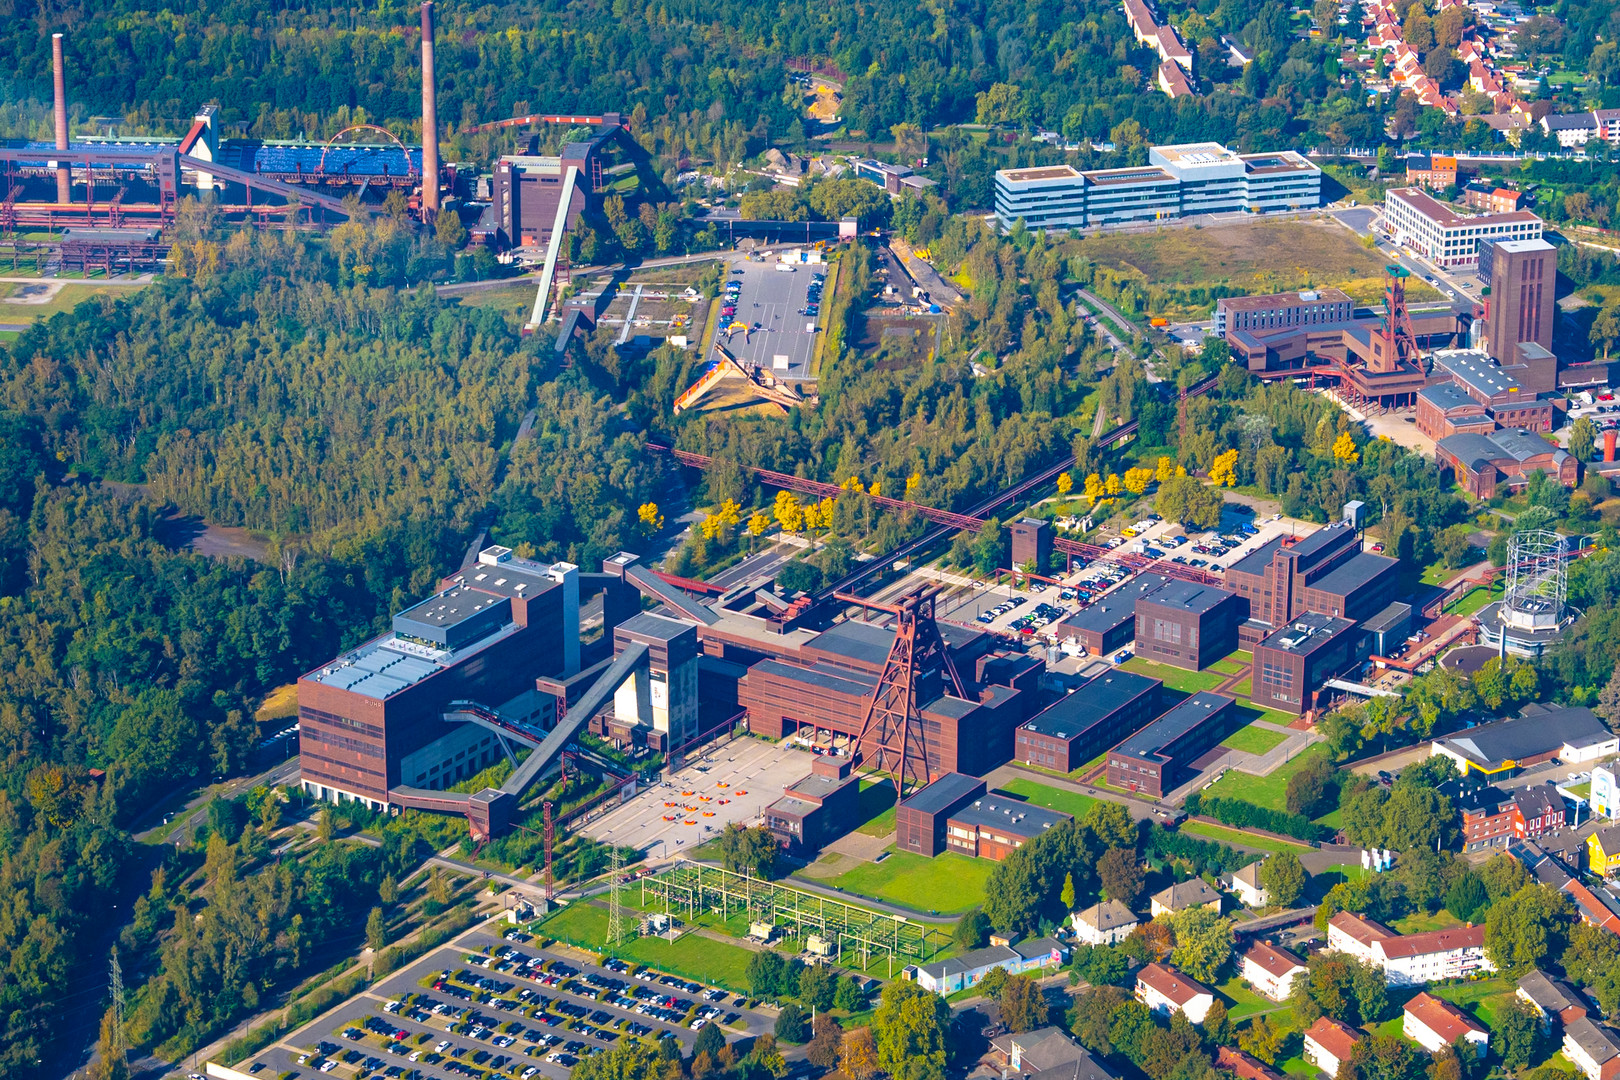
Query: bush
x,y
1202,854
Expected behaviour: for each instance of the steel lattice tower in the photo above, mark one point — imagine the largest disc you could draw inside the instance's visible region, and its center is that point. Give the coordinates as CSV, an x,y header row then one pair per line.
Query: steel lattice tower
x,y
893,720
615,934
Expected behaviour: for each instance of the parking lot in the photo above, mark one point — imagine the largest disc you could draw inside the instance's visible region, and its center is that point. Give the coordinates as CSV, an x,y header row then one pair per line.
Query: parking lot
x,y
773,303
1031,609
734,782
513,1011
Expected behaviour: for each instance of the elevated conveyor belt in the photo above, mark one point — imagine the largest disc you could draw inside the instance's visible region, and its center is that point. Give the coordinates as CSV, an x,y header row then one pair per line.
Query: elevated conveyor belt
x,y
542,296
290,192
536,764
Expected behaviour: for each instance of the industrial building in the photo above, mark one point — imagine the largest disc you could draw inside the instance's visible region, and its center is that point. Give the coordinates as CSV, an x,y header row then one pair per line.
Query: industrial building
x,y
1152,760
920,820
1178,181
818,809
1081,725
1326,572
1110,622
1483,462
1187,625
995,826
1291,664
1013,957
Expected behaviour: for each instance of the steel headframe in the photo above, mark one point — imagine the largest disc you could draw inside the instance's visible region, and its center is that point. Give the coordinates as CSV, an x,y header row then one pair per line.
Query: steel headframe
x,y
1398,334
893,718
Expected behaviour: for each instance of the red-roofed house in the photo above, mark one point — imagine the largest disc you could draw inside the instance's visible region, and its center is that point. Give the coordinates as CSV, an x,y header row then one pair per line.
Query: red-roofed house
x,y
1165,990
1270,970
1328,1044
1434,1024
1243,1066
1415,959
1356,935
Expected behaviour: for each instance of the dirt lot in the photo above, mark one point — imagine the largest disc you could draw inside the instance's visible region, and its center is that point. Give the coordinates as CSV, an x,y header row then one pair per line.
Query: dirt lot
x,y
904,340
1263,257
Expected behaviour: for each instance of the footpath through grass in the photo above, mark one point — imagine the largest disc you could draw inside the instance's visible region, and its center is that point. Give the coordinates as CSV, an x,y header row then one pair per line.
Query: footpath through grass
x,y
1267,791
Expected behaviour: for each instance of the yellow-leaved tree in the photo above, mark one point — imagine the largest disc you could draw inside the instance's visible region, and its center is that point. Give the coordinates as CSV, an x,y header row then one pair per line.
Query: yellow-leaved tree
x,y
1223,470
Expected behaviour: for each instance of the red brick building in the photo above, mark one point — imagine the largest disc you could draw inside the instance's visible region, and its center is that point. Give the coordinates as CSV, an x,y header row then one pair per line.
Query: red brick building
x,y
1445,409
1537,810
920,820
995,826
1324,572
1081,725
1436,171
1481,463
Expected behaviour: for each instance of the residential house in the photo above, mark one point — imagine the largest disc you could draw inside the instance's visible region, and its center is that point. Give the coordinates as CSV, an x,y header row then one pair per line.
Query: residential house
x,y
1355,935
1410,959
1184,895
1165,990
1246,884
1537,810
1594,1048
1107,923
961,972
1555,1000
1244,1066
1603,851
1047,1052
1434,1025
1270,970
1328,1043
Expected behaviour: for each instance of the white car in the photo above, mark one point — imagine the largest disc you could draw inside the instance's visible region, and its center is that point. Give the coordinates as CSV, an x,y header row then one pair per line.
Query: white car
x,y
442,1047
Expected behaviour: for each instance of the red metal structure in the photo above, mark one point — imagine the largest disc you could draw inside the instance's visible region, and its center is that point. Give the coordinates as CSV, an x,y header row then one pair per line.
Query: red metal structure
x,y
1400,341
551,837
389,135
893,720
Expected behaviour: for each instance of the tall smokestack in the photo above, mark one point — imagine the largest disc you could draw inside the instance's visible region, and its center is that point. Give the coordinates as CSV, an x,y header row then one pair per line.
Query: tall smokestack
x,y
64,172
430,119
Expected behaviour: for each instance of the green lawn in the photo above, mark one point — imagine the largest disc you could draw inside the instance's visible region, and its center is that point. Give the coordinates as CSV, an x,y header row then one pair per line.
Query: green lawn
x,y
946,885
1069,802
1267,791
1473,601
1242,688
66,299
1227,666
1298,1066
1234,836
1421,922
1254,740
1583,790
1483,998
695,957
877,808
1189,682
1241,1001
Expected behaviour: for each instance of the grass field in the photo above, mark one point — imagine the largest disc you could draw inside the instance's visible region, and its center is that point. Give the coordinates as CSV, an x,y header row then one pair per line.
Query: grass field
x,y
280,704
1263,257
1421,922
515,299
1189,682
946,885
1254,740
1241,1001
693,956
1267,791
1473,601
1227,666
1233,836
66,299
1069,802
1483,998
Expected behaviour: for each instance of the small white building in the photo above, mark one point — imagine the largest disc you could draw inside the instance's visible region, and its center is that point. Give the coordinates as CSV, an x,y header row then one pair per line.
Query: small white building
x,y
1270,970
1594,1048
1328,1044
1435,1024
1246,884
1165,990
1107,923
1184,895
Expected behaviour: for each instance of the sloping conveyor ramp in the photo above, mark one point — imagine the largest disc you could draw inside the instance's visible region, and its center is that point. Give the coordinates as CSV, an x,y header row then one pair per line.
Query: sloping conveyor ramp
x,y
490,811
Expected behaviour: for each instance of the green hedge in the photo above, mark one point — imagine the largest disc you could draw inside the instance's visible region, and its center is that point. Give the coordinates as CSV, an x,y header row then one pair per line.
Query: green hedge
x,y
1246,815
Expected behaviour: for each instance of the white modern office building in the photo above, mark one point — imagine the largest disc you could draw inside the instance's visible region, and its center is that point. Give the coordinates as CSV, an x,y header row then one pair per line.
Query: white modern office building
x,y
1178,181
1446,238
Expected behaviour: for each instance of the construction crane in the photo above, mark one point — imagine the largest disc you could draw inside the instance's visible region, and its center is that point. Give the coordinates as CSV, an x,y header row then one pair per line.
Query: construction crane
x,y
727,366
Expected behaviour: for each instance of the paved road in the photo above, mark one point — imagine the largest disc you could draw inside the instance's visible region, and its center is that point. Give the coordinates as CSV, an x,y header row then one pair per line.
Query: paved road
x,y
763,562
196,809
